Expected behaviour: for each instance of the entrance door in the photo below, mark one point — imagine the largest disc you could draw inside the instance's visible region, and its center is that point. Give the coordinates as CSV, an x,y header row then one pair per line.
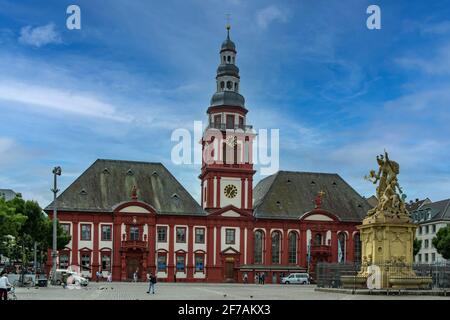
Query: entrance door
x,y
132,266
229,270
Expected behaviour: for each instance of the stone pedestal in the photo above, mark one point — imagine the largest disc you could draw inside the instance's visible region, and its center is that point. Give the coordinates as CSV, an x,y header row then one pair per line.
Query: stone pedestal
x,y
387,250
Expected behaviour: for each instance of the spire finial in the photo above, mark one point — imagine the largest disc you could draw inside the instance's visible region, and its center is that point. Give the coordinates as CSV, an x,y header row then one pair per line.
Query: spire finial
x,y
228,26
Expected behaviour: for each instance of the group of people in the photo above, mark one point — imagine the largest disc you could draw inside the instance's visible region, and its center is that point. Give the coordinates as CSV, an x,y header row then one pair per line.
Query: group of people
x,y
99,275
260,278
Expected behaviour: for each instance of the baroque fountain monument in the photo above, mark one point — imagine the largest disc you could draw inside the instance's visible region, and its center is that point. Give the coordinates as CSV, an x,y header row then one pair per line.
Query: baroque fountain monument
x,y
387,236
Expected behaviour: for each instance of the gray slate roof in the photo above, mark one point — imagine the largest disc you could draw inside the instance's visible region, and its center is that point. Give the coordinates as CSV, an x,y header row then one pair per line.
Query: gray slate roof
x,y
106,183
432,212
289,195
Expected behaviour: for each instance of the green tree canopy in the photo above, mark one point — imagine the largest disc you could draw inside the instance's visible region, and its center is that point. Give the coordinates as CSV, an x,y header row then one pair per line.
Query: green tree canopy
x,y
11,221
22,223
442,242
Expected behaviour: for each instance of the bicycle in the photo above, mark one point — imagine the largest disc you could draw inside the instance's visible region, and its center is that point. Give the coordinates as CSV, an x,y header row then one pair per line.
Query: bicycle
x,y
11,293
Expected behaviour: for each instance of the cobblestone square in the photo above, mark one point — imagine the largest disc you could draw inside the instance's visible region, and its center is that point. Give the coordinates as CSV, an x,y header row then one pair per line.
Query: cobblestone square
x,y
196,291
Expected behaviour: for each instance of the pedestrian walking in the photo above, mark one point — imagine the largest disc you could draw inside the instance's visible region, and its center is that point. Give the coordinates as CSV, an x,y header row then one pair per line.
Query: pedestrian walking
x,y
245,277
135,276
109,279
263,278
151,283
97,275
4,285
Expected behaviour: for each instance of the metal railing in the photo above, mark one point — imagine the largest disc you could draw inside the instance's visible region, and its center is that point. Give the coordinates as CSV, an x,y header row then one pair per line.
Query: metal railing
x,y
225,126
329,275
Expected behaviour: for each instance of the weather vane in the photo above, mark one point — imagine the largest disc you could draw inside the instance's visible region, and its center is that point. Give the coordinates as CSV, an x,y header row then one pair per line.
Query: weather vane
x,y
228,24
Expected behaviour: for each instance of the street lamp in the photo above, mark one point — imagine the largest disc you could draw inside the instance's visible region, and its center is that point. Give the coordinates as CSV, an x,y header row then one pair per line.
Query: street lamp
x,y
56,172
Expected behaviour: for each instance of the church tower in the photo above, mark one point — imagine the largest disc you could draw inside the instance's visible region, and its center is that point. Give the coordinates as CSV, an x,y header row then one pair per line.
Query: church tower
x,y
227,143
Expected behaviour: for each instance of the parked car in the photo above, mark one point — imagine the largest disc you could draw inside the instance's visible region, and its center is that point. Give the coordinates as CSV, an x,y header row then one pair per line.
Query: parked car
x,y
296,278
77,279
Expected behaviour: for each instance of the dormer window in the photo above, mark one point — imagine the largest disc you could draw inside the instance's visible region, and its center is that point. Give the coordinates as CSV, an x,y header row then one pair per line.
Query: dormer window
x,y
106,171
83,192
130,172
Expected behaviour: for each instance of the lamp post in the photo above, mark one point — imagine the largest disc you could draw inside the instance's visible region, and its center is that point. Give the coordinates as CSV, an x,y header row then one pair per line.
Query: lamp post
x,y
56,172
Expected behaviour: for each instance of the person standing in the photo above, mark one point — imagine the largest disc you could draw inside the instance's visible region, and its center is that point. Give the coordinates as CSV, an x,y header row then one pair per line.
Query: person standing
x,y
263,278
152,281
135,276
109,279
4,285
245,278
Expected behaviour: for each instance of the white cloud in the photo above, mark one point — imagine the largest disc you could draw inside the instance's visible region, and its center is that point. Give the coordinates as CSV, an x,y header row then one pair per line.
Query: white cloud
x,y
5,145
437,28
439,64
39,36
270,14
58,100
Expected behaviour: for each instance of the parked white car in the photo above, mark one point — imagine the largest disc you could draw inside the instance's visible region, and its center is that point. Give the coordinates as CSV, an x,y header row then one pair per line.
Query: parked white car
x,y
78,280
296,278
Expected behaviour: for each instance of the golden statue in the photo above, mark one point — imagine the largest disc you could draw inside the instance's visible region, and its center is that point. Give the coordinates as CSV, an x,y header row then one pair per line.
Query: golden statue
x,y
389,193
387,235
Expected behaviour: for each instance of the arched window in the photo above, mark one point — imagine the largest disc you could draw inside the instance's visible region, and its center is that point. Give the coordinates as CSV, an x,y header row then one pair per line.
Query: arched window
x,y
229,58
292,250
236,86
233,59
258,246
276,242
357,248
222,85
318,239
224,59
342,237
229,85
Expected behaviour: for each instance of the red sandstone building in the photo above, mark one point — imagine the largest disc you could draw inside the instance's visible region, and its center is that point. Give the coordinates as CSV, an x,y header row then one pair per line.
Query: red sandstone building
x,y
125,216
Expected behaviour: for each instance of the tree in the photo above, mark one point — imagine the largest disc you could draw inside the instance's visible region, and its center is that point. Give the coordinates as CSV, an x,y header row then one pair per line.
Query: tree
x,y
36,228
11,223
442,242
417,244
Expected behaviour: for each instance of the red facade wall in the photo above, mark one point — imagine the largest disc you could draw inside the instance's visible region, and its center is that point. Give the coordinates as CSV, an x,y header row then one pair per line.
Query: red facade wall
x,y
214,269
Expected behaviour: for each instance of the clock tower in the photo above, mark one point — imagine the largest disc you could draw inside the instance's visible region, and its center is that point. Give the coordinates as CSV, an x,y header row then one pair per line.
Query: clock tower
x,y
227,142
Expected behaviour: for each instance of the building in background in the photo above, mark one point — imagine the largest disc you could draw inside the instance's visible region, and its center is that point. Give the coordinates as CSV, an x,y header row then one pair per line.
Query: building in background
x,y
430,217
8,194
412,206
127,216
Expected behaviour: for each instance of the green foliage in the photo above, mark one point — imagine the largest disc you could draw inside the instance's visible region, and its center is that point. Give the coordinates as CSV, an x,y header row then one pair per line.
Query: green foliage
x,y
442,242
417,244
22,223
11,223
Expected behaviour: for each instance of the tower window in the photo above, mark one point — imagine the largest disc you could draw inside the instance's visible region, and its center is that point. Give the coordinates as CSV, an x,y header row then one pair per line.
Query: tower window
x,y
233,59
230,121
229,59
224,59
222,85
236,86
229,85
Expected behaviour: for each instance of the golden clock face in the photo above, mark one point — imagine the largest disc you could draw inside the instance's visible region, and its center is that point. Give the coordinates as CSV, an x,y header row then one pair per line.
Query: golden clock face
x,y
230,191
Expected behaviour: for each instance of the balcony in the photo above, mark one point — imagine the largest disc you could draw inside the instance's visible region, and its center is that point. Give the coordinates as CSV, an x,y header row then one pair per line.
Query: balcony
x,y
134,245
224,126
322,250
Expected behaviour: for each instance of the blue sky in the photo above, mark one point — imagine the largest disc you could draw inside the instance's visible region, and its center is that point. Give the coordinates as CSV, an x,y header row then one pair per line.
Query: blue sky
x,y
339,93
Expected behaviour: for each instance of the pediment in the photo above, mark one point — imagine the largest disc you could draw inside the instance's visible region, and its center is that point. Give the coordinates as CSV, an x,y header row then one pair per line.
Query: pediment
x,y
318,217
134,209
230,213
230,250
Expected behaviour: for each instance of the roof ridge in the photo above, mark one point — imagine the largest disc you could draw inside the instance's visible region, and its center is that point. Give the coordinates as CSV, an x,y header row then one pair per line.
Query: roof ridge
x,y
129,161
308,172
